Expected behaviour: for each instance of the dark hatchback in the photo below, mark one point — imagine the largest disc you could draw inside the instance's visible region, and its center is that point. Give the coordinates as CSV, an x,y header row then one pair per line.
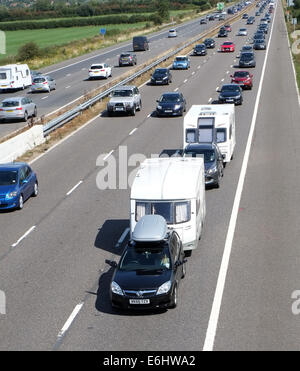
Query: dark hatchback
x,y
222,33
259,44
213,161
161,76
247,59
209,43
18,182
171,104
149,273
231,93
200,49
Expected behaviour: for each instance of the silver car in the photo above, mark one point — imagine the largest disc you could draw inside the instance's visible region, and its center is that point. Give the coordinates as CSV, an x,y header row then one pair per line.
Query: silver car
x,y
242,32
43,83
124,99
17,108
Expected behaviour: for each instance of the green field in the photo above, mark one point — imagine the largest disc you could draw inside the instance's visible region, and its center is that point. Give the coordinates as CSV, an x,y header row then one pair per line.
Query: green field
x,y
58,36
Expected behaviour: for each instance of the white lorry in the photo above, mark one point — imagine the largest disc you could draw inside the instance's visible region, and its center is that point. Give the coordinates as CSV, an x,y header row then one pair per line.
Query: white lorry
x,y
211,123
175,189
14,76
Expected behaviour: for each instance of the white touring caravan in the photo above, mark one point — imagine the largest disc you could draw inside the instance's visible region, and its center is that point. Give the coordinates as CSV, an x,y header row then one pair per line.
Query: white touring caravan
x,y
14,76
211,123
175,189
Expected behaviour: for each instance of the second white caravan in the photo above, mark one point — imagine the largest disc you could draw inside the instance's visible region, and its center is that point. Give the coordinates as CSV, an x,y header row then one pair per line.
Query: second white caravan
x,y
175,189
211,123
14,76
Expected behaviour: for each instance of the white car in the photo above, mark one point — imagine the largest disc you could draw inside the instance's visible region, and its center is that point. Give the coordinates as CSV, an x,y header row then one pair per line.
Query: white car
x,y
172,33
242,32
99,70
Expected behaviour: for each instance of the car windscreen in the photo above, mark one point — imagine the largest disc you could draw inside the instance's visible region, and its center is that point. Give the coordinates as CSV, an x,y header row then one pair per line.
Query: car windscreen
x,y
8,177
160,72
146,257
180,59
208,154
241,74
247,56
227,43
3,76
259,41
230,88
38,80
122,93
170,98
200,46
125,55
12,103
247,47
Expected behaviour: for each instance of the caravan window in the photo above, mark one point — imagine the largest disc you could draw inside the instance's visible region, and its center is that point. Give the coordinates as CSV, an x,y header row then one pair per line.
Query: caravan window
x,y
3,76
182,212
173,212
165,209
205,134
221,135
191,136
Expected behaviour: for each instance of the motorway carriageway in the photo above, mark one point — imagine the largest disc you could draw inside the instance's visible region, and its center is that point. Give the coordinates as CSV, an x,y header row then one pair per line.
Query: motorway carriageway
x,y
56,281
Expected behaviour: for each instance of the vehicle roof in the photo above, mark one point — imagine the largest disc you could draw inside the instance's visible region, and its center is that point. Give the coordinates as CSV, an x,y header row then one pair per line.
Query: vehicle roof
x,y
12,165
12,99
125,87
150,228
181,56
202,110
156,179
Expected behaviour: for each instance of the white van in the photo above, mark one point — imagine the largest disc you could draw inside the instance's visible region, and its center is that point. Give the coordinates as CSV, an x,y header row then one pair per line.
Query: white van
x,y
175,189
211,123
14,76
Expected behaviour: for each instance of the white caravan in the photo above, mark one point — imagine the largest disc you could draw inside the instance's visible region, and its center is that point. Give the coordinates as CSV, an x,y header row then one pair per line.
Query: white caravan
x,y
175,189
14,76
211,123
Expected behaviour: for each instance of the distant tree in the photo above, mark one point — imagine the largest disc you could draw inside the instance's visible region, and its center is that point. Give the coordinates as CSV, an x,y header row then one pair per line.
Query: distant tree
x,y
296,4
28,51
163,7
42,5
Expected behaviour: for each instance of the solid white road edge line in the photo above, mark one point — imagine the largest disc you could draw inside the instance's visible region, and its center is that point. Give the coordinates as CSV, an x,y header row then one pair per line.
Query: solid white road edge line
x,y
70,320
132,131
73,189
106,157
217,302
24,236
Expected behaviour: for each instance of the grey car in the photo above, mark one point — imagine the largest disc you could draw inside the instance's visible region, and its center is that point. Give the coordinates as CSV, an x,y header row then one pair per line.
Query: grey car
x,y
213,161
43,83
127,59
247,59
124,99
17,108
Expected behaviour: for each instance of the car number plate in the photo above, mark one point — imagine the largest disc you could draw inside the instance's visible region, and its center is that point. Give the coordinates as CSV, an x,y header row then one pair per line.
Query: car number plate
x,y
139,301
158,81
168,111
4,86
119,109
10,110
229,100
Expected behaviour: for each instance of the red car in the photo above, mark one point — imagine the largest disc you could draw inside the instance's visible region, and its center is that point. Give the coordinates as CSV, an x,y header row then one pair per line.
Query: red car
x,y
242,78
227,27
228,46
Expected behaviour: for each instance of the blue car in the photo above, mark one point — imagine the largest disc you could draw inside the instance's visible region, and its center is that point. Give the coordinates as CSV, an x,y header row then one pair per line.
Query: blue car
x,y
181,62
18,182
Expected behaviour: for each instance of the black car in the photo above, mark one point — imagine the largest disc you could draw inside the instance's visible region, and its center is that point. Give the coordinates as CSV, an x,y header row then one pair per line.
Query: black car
x,y
250,20
200,49
231,93
222,33
211,17
209,43
247,59
263,27
203,21
161,76
148,273
245,16
259,35
171,104
259,44
257,14
140,43
213,161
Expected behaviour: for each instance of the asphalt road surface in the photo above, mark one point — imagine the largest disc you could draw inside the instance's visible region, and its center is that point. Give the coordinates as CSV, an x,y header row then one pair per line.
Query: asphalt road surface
x,y
55,280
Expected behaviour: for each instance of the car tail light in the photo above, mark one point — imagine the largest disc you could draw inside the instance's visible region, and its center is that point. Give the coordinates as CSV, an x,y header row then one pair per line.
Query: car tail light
x,y
1,109
45,82
102,70
19,109
33,83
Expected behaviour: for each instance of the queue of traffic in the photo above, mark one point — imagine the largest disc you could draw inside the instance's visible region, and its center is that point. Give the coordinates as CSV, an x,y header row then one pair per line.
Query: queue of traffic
x,y
167,200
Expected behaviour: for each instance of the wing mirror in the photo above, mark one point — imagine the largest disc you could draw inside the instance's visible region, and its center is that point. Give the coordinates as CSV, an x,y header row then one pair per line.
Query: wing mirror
x,y
112,263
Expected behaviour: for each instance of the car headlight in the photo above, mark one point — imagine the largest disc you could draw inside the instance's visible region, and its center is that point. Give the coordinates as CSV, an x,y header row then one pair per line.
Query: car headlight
x,y
165,288
238,96
212,170
165,77
116,289
159,107
11,194
177,106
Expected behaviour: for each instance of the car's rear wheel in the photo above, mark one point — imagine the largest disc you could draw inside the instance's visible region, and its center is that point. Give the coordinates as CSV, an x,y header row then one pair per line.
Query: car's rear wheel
x,y
25,116
133,111
188,253
140,106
